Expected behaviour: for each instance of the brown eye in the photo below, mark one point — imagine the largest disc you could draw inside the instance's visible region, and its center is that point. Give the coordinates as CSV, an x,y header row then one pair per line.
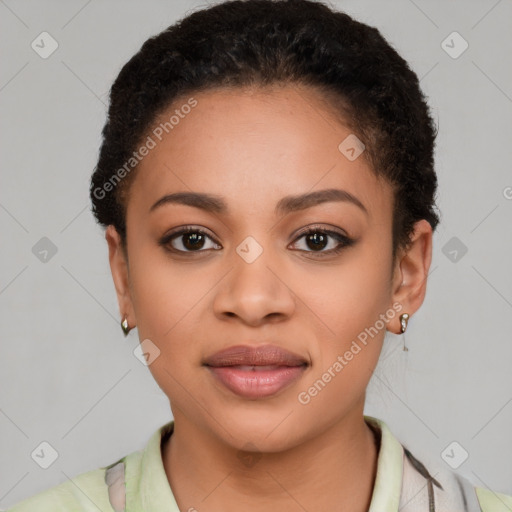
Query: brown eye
x,y
318,239
189,239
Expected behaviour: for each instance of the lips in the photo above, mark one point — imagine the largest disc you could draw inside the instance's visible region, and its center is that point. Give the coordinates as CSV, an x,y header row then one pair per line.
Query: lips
x,y
255,372
266,355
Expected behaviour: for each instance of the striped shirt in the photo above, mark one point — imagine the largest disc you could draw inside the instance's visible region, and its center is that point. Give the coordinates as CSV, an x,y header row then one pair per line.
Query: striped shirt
x,y
138,483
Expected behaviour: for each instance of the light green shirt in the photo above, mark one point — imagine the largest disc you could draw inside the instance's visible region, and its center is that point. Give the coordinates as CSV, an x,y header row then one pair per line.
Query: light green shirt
x,y
138,483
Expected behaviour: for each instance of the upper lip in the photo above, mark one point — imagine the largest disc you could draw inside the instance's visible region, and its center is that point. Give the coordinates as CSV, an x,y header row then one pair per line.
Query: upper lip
x,y
244,355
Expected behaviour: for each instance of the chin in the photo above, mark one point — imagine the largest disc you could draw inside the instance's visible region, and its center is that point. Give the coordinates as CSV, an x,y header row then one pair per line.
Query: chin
x,y
266,429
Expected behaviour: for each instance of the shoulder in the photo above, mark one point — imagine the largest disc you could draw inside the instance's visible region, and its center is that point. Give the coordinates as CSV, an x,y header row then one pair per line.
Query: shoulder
x,y
449,491
87,491
108,488
436,487
493,501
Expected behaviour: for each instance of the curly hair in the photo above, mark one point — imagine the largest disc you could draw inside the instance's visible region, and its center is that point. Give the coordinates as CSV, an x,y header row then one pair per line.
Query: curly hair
x,y
257,43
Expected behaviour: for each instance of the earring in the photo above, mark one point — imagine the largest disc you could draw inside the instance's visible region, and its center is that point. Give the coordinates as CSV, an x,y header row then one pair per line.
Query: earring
x,y
125,326
404,319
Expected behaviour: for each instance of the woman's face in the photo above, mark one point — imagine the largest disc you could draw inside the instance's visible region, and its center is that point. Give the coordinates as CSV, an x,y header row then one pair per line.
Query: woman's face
x,y
253,279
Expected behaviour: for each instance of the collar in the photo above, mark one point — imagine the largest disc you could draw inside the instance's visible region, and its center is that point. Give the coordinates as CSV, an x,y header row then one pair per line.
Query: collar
x,y
147,487
388,481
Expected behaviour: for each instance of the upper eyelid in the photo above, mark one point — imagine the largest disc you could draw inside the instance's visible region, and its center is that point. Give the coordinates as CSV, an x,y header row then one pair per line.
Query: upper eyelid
x,y
183,230
326,229
302,231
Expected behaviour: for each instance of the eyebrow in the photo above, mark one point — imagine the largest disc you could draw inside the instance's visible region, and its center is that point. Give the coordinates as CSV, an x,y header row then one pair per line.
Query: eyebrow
x,y
216,204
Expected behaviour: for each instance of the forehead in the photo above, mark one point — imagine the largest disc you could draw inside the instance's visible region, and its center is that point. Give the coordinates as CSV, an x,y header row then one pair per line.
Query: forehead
x,y
253,146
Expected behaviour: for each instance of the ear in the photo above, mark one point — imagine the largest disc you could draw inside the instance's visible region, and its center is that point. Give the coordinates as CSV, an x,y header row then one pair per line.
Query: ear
x,y
120,274
411,272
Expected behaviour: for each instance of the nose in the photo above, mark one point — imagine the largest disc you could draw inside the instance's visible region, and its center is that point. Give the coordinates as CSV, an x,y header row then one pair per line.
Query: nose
x,y
255,292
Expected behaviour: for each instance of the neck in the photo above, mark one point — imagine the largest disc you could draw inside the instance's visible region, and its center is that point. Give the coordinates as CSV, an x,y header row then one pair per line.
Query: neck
x,y
334,471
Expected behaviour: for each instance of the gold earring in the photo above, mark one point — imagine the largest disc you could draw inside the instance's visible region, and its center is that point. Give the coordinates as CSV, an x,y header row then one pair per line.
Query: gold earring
x,y
404,318
125,326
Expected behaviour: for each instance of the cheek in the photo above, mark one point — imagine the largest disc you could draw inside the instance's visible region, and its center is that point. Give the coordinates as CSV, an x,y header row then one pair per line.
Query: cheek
x,y
354,304
351,296
347,356
163,291
167,303
167,306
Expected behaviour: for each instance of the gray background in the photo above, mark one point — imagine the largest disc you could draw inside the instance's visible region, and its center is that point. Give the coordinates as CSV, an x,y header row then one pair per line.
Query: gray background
x,y
68,376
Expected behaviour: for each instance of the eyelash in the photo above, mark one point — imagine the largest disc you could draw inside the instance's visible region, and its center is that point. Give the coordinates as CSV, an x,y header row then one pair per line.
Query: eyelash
x,y
344,241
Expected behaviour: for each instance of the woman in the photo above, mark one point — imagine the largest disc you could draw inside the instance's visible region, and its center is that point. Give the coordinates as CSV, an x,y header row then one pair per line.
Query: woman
x,y
267,187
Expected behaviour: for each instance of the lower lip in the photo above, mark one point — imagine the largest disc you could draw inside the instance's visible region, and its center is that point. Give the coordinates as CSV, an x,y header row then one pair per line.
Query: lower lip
x,y
254,384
